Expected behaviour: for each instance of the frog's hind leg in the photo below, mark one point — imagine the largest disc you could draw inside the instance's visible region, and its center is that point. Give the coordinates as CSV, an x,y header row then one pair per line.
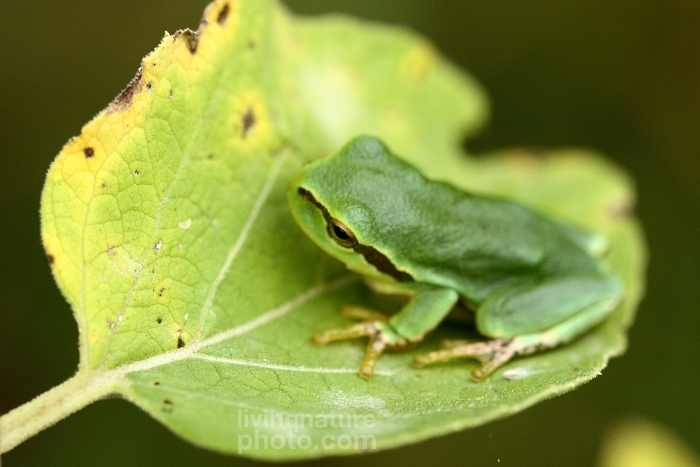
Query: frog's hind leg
x,y
492,353
602,299
497,352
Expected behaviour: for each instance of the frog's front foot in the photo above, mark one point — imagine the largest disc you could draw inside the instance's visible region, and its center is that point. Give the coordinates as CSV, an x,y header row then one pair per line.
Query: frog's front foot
x,y
381,337
493,354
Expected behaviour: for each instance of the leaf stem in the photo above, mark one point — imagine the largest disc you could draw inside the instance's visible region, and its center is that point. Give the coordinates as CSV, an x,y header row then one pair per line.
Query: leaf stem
x,y
54,405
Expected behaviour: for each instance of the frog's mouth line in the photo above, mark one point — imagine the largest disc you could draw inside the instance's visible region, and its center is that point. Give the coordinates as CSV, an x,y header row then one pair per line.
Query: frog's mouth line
x,y
371,254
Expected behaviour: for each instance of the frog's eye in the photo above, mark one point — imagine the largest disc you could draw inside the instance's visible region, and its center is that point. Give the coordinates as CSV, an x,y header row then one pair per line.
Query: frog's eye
x,y
342,235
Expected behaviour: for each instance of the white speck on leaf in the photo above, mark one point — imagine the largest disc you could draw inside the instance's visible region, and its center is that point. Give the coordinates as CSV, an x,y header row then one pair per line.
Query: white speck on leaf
x,y
519,373
184,225
158,245
342,400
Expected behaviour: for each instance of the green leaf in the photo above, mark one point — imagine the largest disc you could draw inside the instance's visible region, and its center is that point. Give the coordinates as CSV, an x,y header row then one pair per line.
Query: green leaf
x,y
196,294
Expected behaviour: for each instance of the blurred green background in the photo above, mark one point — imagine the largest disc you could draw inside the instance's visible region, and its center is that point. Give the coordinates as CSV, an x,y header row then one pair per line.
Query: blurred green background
x,y
621,77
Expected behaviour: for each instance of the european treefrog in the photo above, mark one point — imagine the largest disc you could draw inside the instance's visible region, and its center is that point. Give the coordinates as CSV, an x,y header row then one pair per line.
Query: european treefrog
x,y
532,282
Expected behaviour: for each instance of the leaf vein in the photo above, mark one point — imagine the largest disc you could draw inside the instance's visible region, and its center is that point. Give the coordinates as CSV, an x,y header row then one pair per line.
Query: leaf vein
x,y
276,366
236,248
192,349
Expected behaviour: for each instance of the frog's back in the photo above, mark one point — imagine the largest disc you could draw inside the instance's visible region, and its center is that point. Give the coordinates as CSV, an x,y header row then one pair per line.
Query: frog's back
x,y
444,236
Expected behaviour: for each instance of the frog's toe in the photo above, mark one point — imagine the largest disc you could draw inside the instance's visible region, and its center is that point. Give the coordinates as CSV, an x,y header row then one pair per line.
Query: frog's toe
x,y
375,348
363,314
450,343
498,358
492,353
368,328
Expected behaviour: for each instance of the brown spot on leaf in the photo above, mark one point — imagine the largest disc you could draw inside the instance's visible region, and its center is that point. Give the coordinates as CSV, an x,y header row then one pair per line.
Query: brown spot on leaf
x,y
104,185
190,37
111,250
160,292
248,122
51,258
159,320
180,343
125,98
89,152
252,44
156,383
223,14
167,405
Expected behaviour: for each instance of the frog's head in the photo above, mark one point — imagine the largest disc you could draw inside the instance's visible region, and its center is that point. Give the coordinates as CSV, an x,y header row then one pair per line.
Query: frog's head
x,y
341,204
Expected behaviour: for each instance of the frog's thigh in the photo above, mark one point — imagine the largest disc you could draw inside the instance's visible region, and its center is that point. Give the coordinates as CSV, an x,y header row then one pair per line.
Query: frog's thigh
x,y
423,313
537,306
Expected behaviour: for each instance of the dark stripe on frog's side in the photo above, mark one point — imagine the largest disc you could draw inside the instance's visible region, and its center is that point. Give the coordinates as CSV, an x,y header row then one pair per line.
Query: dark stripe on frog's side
x,y
382,263
306,194
371,254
